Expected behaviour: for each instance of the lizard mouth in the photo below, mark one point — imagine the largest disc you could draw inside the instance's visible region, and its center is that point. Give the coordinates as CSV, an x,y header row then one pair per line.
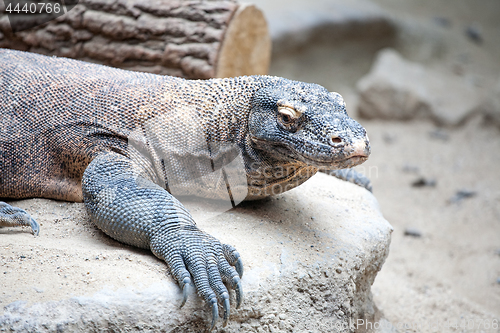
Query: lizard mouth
x,y
347,162
321,156
351,161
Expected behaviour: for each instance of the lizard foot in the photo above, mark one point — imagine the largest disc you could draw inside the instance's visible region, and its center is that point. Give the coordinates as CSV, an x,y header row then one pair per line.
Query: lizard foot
x,y
14,217
351,175
195,257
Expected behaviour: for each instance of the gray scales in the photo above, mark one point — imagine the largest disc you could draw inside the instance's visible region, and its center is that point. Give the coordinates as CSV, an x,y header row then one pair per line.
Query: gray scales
x,y
132,145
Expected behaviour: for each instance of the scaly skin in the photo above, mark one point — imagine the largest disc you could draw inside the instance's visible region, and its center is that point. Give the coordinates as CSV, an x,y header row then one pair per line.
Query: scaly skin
x,y
125,143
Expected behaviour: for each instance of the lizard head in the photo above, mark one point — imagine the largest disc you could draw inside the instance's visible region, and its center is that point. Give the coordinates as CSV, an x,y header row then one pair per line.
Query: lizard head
x,y
305,123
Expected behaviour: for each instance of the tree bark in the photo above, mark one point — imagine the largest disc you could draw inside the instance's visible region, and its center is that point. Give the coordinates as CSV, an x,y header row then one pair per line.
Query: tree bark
x,y
191,39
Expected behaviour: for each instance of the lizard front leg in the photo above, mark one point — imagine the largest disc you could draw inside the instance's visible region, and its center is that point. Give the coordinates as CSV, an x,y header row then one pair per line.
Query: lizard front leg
x,y
132,209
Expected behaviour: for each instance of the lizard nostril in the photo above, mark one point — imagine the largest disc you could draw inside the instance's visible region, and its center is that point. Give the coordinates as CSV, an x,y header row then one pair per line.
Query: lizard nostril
x,y
335,139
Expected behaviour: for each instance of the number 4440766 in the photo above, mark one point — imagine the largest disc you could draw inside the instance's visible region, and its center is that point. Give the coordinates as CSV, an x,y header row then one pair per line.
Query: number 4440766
x,y
34,8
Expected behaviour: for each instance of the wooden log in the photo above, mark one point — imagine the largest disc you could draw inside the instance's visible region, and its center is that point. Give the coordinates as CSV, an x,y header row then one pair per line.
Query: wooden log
x,y
190,38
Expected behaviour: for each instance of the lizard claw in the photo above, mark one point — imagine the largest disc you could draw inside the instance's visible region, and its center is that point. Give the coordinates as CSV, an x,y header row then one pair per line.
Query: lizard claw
x,y
185,290
227,309
239,291
35,227
233,257
215,313
239,267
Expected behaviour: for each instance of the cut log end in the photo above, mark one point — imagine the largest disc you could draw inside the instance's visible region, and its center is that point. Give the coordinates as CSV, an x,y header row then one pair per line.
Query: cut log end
x,y
246,47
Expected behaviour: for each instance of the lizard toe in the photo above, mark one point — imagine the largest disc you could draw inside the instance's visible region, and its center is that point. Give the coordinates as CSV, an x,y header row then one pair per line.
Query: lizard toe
x,y
215,313
227,309
231,277
216,277
185,290
239,267
239,291
207,281
35,227
176,265
233,257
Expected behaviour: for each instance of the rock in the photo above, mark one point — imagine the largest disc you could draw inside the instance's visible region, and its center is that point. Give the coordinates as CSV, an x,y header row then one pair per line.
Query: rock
x,y
413,232
294,24
419,40
439,134
442,21
389,138
424,182
474,33
491,107
401,90
409,168
461,195
288,285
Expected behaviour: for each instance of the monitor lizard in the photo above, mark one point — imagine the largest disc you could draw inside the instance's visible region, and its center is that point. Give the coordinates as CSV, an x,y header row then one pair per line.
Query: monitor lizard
x,y
120,141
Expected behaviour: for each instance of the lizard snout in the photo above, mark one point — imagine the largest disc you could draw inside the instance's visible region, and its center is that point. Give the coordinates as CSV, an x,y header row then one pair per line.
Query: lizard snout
x,y
361,147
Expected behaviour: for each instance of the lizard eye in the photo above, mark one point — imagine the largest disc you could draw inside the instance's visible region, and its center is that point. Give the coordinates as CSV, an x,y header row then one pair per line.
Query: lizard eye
x,y
286,118
288,115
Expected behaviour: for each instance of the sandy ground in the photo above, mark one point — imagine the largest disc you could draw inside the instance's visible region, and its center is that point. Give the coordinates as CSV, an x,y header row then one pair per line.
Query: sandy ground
x,y
451,273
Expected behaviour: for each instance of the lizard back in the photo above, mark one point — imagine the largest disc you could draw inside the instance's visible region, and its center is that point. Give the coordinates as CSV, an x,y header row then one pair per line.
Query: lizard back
x,y
56,115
